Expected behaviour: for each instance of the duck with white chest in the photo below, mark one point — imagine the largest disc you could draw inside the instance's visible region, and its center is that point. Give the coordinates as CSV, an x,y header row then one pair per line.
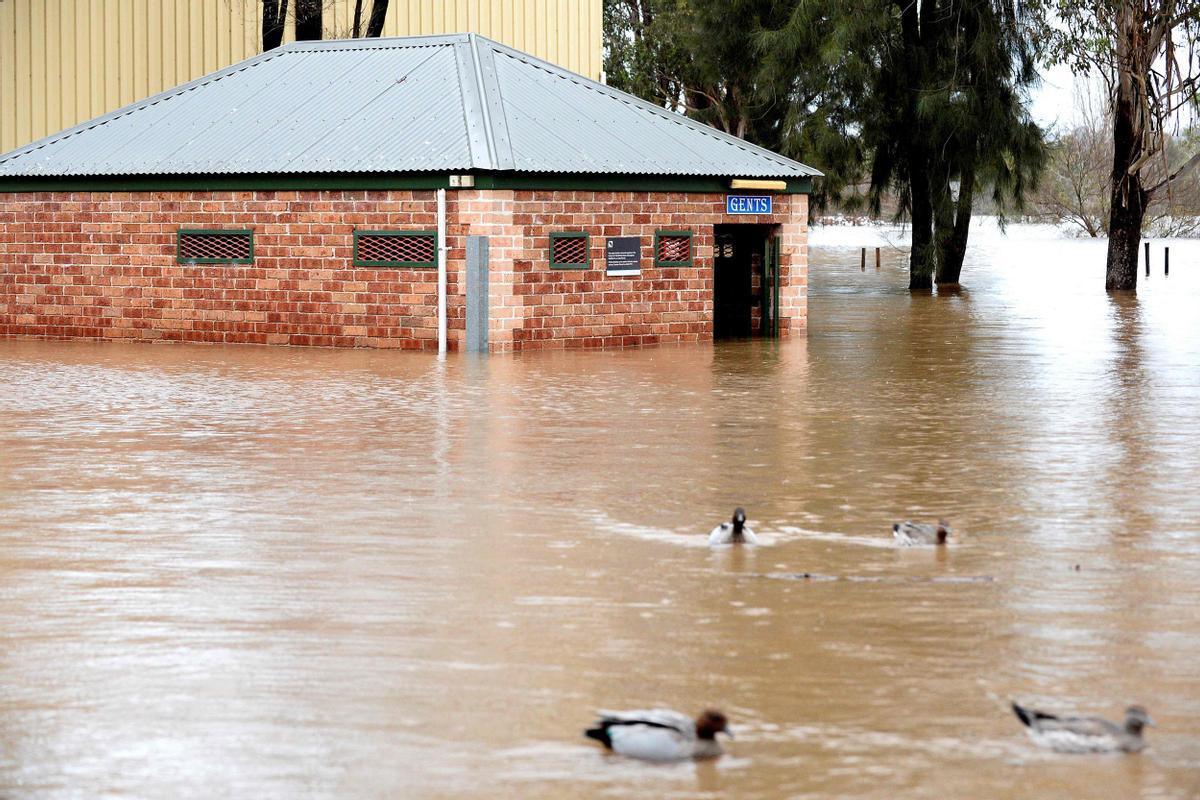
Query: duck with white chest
x,y
660,734
915,534
733,532
1072,734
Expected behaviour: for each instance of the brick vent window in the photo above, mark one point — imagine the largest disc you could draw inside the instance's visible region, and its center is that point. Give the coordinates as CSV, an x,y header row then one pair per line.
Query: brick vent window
x,y
569,250
395,248
673,249
215,247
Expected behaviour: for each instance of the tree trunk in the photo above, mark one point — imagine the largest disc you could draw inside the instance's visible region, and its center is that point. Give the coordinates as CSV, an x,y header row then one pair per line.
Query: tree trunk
x,y
1125,235
914,26
379,11
309,22
954,243
921,256
274,15
357,18
1128,207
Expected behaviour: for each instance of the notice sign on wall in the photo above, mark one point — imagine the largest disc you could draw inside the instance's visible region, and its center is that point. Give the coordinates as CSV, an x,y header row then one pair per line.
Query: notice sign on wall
x,y
623,255
747,204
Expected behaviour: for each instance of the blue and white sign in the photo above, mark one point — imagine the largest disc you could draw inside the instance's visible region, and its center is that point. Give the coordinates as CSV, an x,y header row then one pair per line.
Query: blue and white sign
x,y
747,204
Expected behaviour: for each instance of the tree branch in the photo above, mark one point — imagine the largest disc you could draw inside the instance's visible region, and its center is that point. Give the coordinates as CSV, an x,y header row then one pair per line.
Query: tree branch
x,y
1183,169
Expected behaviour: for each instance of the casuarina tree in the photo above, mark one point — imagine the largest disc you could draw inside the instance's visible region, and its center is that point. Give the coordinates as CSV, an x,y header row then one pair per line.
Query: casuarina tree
x,y
945,116
755,69
928,97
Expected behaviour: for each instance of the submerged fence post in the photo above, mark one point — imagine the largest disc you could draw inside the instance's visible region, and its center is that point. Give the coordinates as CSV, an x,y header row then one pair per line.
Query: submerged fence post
x,y
876,259
477,294
863,263
1166,261
1147,259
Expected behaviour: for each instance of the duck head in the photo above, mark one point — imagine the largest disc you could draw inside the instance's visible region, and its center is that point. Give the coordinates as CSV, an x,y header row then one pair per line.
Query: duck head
x,y
739,519
1137,718
711,722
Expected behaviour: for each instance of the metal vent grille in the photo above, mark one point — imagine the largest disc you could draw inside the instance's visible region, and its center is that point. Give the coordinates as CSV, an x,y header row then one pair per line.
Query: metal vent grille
x,y
395,248
216,247
673,248
568,250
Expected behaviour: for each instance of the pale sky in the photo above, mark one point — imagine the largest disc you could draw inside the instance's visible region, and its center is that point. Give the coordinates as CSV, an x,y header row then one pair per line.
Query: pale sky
x,y
1054,101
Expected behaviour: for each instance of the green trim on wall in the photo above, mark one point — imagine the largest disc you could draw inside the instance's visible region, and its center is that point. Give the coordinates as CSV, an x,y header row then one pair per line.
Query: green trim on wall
x,y
398,235
587,249
527,181
179,259
620,183
691,254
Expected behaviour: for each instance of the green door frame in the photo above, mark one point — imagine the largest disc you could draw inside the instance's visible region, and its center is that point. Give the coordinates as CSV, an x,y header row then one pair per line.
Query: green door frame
x,y
775,243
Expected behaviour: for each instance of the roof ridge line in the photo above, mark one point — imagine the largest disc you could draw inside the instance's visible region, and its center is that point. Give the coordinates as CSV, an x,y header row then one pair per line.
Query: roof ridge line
x,y
495,125
489,137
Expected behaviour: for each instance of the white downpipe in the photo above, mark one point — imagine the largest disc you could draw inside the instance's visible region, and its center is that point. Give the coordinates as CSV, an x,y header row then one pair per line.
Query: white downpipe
x,y
441,261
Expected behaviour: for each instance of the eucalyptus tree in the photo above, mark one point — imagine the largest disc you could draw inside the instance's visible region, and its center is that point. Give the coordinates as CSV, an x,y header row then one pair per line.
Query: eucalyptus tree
x,y
309,19
379,9
1148,52
274,16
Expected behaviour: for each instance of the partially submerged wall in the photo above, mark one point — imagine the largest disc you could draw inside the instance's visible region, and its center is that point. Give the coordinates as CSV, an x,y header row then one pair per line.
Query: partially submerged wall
x,y
536,306
103,265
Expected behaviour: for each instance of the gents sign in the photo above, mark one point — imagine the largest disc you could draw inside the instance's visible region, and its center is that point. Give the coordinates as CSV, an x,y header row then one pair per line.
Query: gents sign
x,y
623,255
747,204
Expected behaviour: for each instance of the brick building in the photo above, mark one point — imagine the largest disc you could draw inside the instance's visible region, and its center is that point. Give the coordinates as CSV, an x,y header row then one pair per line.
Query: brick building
x,y
400,193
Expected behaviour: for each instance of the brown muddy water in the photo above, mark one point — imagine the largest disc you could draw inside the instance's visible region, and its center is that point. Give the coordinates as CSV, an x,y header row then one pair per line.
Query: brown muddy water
x,y
254,572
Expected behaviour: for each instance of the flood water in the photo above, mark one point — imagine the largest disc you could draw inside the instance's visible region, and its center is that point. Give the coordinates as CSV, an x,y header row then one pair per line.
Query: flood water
x,y
288,573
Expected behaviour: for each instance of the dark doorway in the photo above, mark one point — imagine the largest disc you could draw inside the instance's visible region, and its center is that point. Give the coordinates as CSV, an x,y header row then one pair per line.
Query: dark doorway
x,y
742,285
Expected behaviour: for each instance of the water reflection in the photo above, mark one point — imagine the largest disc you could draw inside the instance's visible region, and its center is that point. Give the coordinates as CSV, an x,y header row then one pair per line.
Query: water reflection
x,y
281,573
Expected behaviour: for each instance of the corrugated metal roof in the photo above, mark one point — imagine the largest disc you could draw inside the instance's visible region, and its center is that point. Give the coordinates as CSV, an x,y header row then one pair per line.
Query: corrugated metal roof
x,y
451,103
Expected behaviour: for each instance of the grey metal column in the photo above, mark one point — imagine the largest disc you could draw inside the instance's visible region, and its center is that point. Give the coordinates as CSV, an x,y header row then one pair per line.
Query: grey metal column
x,y
477,294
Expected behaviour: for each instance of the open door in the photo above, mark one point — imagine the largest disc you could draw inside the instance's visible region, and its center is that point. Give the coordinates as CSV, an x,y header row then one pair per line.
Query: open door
x,y
745,281
733,292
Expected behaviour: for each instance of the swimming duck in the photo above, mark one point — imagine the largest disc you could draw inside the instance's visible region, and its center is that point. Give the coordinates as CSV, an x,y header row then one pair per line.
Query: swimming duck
x,y
660,734
734,531
915,533
1085,734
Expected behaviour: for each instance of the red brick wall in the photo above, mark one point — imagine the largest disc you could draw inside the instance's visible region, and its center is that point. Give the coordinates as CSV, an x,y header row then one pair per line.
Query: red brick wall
x,y
534,306
101,265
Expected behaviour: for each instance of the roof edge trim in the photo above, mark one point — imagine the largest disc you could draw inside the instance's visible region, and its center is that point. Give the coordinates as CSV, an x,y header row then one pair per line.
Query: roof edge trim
x,y
358,181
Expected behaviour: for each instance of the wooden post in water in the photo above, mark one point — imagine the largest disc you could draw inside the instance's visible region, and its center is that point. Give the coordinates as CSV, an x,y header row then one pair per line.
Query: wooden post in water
x,y
1147,259
877,259
1166,261
863,263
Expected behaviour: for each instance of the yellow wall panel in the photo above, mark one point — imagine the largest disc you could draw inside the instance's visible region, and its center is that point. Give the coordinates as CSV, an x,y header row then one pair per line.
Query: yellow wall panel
x,y
8,70
63,62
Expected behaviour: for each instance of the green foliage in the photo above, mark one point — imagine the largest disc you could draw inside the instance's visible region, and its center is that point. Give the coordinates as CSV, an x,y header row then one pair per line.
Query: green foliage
x,y
927,98
753,68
